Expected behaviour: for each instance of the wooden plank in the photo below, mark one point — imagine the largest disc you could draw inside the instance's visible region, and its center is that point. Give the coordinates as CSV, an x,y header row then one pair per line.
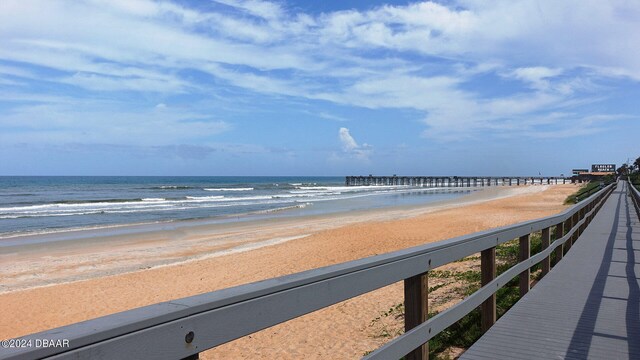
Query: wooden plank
x,y
488,273
416,308
524,254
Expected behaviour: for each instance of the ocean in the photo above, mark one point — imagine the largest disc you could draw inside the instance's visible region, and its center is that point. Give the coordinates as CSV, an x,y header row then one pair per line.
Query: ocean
x,y
45,204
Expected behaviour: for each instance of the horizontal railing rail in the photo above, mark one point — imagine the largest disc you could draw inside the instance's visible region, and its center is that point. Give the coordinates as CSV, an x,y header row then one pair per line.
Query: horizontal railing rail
x,y
183,328
590,192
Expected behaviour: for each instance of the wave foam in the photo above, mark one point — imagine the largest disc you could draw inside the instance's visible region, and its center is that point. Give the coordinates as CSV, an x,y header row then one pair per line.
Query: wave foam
x,y
284,208
228,189
216,197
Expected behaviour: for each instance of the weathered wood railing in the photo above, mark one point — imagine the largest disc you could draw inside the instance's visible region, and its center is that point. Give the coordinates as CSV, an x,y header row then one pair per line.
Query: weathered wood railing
x,y
635,196
183,328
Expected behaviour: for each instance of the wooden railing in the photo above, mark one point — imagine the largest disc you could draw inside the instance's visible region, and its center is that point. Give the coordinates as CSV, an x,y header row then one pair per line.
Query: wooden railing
x,y
635,196
185,327
591,192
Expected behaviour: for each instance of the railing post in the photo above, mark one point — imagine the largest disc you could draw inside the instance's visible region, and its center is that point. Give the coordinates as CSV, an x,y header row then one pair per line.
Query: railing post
x,y
546,240
416,310
575,220
559,249
525,252
488,273
568,225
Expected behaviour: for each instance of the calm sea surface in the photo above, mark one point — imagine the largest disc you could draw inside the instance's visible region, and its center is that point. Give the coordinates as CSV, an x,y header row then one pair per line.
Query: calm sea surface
x,y
31,205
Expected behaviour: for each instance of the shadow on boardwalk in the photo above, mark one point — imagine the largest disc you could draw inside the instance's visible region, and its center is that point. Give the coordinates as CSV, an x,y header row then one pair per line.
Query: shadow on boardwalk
x,y
585,330
588,307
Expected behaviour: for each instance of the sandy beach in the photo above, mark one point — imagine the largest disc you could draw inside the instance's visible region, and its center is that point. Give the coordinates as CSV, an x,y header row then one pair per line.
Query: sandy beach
x,y
46,287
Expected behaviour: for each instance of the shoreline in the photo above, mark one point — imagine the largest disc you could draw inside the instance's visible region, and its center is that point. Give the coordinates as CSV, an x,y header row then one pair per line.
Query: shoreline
x,y
88,254
342,330
123,229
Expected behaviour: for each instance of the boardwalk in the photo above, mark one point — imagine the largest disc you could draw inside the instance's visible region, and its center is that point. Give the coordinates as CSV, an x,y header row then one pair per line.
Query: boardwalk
x,y
588,307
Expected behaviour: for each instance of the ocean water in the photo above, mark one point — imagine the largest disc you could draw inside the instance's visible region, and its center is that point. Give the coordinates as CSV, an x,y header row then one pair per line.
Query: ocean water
x,y
34,205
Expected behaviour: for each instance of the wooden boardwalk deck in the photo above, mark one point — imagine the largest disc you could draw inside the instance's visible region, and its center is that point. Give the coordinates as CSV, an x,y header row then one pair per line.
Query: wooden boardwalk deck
x,y
588,306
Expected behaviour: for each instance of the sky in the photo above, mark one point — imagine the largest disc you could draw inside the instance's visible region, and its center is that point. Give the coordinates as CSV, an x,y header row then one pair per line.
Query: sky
x,y
252,87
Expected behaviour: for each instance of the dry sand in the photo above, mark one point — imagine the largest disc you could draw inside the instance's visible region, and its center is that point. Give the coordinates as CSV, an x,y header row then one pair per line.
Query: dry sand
x,y
101,279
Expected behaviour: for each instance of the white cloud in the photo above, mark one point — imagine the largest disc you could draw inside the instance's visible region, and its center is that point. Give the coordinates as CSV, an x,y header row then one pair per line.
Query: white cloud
x,y
351,147
264,9
536,76
348,142
99,122
115,83
329,116
420,56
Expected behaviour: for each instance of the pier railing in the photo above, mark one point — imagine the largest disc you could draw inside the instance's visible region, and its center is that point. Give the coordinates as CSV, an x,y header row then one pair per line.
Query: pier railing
x,y
183,328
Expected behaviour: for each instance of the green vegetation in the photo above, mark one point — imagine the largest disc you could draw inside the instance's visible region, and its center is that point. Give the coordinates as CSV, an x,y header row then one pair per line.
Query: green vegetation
x,y
467,330
468,258
468,276
396,312
631,172
507,253
592,187
584,192
635,180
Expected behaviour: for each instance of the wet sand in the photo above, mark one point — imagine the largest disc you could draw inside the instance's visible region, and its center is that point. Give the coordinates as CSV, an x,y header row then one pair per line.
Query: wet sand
x,y
68,284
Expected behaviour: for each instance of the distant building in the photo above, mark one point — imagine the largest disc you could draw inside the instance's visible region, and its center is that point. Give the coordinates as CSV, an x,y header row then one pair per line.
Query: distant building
x,y
607,168
598,171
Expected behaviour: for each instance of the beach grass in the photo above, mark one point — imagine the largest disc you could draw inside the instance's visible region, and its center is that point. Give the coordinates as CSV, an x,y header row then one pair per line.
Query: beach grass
x,y
467,330
581,193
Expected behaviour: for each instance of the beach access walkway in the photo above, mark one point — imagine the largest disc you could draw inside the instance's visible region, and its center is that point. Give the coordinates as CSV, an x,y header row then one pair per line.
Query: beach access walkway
x,y
588,307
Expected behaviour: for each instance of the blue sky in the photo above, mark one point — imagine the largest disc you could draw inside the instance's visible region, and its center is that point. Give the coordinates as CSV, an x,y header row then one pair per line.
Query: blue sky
x,y
250,87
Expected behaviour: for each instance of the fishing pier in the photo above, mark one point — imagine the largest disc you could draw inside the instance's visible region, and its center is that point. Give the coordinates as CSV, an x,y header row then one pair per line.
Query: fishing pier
x,y
452,181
